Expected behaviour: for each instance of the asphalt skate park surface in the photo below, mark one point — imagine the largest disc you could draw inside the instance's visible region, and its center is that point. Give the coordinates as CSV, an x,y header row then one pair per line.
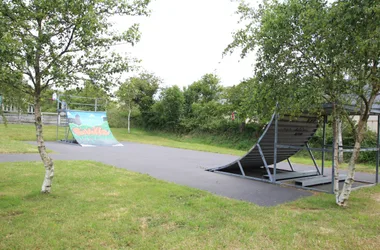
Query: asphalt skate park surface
x,y
180,166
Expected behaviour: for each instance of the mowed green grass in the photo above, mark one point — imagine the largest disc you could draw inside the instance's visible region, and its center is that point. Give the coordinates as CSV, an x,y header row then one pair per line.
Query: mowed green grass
x,y
16,132
11,146
170,140
96,206
11,136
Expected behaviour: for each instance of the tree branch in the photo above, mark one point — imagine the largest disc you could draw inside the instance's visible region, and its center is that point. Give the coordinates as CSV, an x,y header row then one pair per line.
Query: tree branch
x,y
65,50
46,85
365,103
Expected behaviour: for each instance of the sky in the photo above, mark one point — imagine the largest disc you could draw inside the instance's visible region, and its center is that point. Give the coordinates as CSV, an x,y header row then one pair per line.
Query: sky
x,y
184,39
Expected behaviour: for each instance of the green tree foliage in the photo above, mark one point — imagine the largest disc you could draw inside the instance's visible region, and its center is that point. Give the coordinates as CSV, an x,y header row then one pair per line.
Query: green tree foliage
x,y
87,97
146,86
242,99
310,53
205,90
54,43
172,106
126,95
203,106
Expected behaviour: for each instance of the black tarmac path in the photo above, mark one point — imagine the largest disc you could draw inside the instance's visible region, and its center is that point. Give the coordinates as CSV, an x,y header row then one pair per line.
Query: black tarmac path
x,y
181,166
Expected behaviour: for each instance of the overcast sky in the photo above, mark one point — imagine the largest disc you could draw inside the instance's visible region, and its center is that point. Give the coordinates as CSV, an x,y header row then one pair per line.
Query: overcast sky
x,y
184,39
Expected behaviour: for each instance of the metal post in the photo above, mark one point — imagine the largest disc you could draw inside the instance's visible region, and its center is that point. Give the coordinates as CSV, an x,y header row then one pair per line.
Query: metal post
x,y
290,164
66,133
312,157
275,147
96,104
57,102
241,168
378,153
265,162
324,143
58,117
57,123
333,167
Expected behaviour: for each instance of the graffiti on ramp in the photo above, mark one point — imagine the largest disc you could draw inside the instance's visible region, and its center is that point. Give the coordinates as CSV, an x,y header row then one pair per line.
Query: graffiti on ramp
x,y
91,128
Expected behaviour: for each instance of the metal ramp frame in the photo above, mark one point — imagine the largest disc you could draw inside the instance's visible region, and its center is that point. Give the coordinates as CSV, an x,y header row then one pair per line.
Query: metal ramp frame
x,y
282,138
287,130
313,181
294,175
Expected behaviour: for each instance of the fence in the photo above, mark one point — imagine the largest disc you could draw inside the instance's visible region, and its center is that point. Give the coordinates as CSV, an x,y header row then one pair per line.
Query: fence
x,y
15,109
18,118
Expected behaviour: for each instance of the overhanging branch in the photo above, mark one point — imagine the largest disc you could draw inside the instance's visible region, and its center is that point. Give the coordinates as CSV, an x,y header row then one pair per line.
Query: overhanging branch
x,y
65,50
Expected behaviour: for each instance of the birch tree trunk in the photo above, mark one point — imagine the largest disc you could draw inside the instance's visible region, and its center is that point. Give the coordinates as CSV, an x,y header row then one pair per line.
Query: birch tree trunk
x,y
359,136
47,161
336,156
347,187
129,119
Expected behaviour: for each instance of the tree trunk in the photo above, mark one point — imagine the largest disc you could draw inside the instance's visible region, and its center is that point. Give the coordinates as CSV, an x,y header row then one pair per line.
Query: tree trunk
x,y
336,156
340,141
47,161
347,187
129,119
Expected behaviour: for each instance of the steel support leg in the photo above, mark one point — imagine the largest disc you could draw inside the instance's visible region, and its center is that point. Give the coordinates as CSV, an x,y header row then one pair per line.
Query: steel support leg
x,y
324,143
333,168
265,163
241,168
312,157
57,126
378,153
275,147
290,165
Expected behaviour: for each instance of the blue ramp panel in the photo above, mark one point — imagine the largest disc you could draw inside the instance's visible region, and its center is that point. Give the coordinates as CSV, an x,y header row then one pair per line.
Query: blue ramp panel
x,y
90,128
291,131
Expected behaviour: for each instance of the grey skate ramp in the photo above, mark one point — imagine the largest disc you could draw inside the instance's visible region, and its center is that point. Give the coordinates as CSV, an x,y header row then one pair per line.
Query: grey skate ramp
x,y
180,166
295,131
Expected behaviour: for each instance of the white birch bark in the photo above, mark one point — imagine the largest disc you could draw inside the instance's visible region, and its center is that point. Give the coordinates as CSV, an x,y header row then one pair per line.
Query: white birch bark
x,y
336,156
347,187
359,136
47,161
129,119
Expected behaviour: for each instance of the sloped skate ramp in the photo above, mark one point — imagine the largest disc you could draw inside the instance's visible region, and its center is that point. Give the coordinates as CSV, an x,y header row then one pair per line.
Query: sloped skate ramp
x,y
90,128
291,131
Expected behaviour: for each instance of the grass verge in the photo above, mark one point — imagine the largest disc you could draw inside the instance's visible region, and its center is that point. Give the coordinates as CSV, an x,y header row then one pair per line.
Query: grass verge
x,y
171,140
11,147
98,206
12,138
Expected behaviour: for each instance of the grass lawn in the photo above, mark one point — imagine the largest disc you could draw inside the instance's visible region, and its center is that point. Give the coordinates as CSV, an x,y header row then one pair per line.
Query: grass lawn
x,y
170,140
15,133
97,206
8,146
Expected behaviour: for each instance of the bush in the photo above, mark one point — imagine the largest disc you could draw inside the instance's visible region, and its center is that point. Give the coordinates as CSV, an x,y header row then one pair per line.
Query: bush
x,y
118,118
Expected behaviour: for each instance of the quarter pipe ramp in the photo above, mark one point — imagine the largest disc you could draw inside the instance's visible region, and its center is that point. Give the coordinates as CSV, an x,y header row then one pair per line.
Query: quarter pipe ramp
x,y
291,131
90,128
